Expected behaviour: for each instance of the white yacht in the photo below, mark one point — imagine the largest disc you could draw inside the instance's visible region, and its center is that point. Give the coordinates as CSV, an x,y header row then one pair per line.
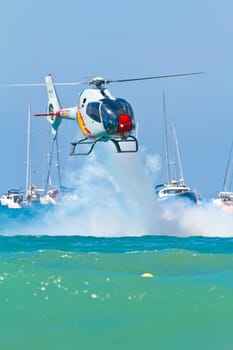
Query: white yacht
x,y
224,201
176,190
174,187
13,199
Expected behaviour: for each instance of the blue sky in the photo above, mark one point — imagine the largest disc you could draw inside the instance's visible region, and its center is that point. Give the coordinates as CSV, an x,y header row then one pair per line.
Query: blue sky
x,y
75,39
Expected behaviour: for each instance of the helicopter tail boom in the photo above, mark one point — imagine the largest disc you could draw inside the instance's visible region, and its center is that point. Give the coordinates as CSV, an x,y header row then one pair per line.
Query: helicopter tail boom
x,y
61,114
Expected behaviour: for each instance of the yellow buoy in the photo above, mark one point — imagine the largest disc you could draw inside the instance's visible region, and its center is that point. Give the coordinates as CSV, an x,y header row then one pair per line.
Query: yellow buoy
x,y
147,274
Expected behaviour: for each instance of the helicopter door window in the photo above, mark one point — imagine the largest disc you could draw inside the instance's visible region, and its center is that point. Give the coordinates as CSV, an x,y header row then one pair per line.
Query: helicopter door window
x,y
93,111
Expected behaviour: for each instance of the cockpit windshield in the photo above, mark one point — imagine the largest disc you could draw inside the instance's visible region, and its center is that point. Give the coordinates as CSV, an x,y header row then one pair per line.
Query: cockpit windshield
x,y
111,110
125,107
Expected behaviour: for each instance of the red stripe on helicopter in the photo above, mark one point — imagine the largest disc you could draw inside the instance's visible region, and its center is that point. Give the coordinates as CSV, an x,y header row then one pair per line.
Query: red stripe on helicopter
x,y
63,113
56,114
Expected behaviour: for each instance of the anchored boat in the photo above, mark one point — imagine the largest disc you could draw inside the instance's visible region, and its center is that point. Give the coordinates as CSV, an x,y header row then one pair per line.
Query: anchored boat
x,y
175,187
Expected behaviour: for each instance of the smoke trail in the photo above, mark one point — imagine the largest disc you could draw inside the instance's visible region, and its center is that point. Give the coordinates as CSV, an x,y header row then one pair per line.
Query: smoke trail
x,y
115,197
202,220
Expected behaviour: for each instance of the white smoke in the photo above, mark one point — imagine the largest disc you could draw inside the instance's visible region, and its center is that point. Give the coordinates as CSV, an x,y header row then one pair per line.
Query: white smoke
x,y
116,197
205,219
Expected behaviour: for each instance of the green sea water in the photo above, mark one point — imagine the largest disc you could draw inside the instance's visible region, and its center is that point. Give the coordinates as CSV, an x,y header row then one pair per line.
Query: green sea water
x,y
71,275
89,293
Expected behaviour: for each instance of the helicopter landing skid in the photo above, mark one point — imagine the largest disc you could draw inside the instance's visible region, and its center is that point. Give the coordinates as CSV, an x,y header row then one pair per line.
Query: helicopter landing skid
x,y
87,141
130,138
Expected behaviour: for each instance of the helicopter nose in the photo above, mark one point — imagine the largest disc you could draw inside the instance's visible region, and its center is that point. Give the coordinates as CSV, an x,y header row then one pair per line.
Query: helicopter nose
x,y
124,123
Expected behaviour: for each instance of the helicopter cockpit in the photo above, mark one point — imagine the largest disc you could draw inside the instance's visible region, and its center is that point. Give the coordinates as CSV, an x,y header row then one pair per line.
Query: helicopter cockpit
x,y
117,115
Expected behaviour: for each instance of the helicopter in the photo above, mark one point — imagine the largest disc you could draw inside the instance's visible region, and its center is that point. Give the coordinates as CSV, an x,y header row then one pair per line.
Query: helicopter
x,y
101,116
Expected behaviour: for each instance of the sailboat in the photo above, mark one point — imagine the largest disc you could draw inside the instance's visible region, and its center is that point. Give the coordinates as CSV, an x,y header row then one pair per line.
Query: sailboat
x,y
32,192
13,199
16,198
175,187
225,197
33,195
47,194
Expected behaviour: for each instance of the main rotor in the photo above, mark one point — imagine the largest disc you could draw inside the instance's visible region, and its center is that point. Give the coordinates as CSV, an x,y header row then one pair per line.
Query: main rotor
x,y
100,82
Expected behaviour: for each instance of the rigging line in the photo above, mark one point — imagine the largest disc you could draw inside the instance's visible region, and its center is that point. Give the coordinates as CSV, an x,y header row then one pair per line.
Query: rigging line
x,y
231,176
226,178
58,163
166,141
50,163
28,149
178,153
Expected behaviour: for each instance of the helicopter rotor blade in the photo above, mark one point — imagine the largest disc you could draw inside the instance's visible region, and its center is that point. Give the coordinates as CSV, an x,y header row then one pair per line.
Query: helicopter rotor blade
x,y
100,81
22,85
68,84
155,77
40,84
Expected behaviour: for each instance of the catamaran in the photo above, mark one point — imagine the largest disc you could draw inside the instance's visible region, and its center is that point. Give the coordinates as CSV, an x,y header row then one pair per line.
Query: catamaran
x,y
13,199
174,187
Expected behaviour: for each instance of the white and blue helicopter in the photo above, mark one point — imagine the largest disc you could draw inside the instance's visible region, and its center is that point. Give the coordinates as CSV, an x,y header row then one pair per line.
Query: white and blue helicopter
x,y
100,116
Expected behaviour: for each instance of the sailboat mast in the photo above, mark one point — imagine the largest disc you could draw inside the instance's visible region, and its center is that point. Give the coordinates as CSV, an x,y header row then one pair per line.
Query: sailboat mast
x,y
28,148
166,141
